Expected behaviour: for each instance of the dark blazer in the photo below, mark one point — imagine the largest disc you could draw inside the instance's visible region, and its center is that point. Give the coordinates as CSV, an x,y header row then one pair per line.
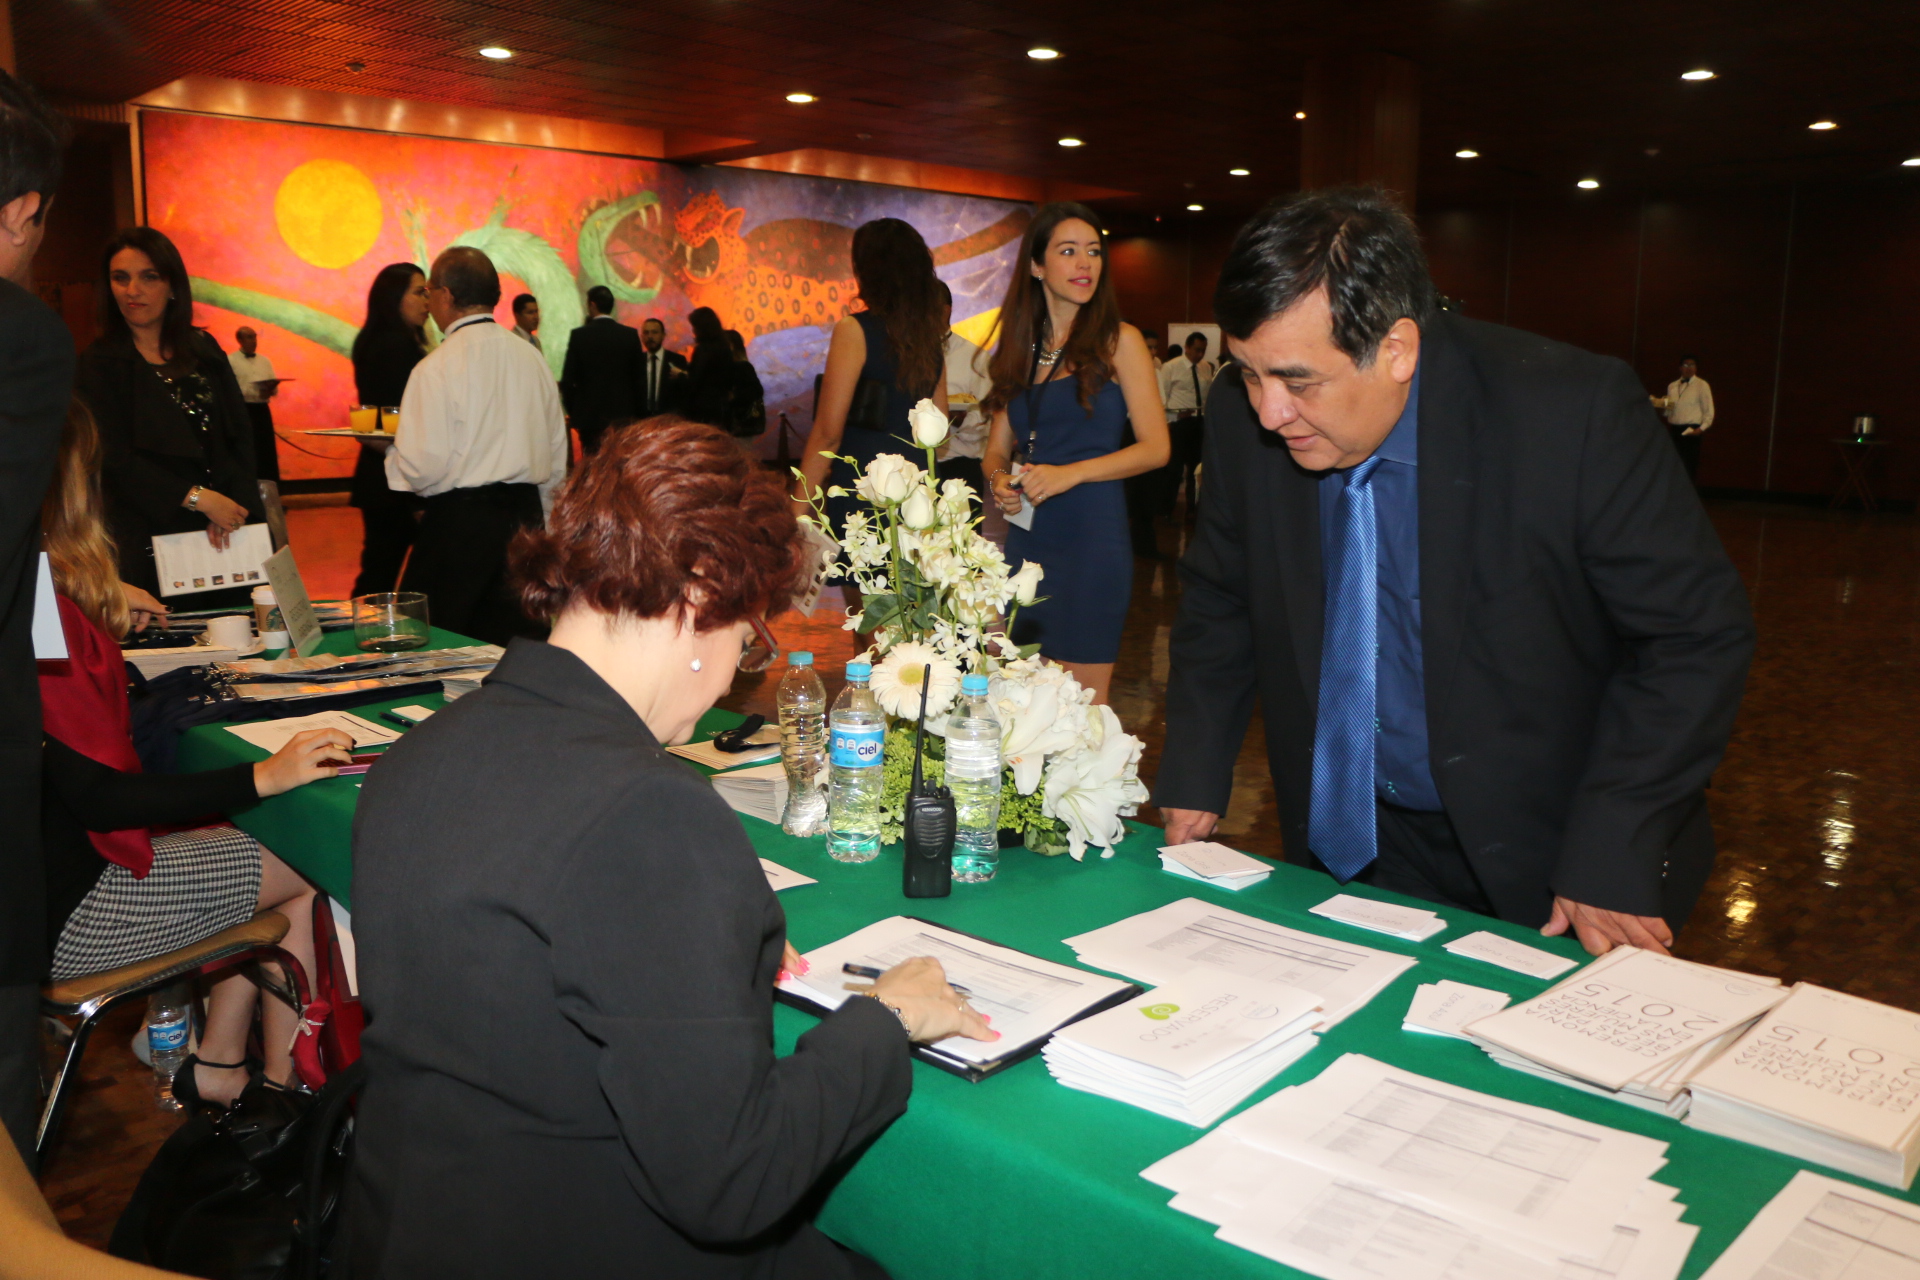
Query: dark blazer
x,y
382,363
36,385
673,383
600,382
1585,637
567,950
154,453
709,384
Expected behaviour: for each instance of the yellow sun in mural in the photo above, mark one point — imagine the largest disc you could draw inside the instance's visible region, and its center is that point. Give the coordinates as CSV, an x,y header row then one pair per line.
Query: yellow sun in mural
x,y
328,212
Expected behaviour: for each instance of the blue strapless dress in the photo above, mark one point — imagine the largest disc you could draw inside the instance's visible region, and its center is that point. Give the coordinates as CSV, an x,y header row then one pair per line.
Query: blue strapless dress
x,y
1080,537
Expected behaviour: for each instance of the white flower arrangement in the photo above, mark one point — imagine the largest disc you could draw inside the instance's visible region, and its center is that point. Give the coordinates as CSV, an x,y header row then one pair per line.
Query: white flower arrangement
x,y
938,600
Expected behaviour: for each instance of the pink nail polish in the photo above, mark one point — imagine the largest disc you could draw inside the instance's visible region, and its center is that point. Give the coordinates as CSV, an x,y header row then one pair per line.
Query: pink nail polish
x,y
781,976
805,965
998,1036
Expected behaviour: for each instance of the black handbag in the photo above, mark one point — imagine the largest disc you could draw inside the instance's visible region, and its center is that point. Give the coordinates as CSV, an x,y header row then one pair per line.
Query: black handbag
x,y
868,412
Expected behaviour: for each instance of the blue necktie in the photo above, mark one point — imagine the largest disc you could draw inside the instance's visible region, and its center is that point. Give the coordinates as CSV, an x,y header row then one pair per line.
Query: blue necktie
x,y
1341,830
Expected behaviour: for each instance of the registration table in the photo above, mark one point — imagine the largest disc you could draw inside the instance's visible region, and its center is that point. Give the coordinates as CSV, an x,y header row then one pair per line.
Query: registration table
x,y
1018,1175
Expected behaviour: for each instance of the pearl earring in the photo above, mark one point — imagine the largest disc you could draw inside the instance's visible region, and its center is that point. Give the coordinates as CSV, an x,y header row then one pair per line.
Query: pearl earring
x,y
696,664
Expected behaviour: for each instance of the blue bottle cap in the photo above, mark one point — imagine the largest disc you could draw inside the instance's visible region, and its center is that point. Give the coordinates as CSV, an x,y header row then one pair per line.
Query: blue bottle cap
x,y
973,684
859,670
799,658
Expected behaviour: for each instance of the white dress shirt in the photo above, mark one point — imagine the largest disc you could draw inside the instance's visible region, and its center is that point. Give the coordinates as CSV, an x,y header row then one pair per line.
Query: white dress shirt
x,y
1690,403
1176,385
481,408
967,376
250,371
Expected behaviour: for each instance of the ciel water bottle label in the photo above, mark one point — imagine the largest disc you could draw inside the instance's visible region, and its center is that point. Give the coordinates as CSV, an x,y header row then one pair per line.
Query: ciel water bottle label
x,y
857,748
164,1037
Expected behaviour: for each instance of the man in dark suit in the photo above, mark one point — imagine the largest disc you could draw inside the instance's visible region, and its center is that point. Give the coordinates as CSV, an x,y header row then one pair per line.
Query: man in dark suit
x,y
600,383
662,372
36,384
1497,643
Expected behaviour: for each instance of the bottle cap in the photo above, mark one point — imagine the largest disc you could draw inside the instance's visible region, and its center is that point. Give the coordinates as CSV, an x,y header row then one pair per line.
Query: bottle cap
x,y
973,684
799,658
859,670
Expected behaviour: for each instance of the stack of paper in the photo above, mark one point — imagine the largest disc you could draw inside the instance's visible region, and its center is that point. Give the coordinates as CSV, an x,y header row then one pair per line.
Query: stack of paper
x,y
705,753
1826,1077
1370,1171
1442,1008
1410,923
1508,954
1633,1025
760,792
1192,1050
1189,936
1820,1229
1214,864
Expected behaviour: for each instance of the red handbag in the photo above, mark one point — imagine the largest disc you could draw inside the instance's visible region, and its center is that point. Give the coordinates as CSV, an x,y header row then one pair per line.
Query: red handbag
x,y
329,1038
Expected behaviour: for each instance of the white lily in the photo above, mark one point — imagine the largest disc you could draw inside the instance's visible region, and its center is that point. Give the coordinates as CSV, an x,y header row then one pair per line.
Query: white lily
x,y
1093,789
929,425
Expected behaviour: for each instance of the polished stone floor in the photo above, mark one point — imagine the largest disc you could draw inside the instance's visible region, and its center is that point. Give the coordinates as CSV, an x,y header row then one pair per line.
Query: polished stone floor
x,y
1817,806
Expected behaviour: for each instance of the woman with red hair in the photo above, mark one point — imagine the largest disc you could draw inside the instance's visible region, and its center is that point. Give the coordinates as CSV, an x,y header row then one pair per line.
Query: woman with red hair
x,y
567,945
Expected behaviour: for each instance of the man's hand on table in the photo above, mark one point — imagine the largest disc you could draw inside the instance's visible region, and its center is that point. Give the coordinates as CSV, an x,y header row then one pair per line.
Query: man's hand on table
x,y
1600,930
1188,824
307,757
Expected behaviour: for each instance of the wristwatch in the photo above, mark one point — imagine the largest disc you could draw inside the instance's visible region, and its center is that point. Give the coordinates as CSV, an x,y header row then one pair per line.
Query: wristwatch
x,y
892,1008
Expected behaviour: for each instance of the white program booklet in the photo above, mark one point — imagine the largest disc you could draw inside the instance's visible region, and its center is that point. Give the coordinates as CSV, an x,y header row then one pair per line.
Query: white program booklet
x,y
1161,945
1508,954
1818,1228
187,563
1214,864
1410,923
1443,1008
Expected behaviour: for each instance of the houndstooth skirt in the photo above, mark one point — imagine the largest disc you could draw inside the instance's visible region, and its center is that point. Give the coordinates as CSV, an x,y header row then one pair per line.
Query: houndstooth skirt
x,y
202,881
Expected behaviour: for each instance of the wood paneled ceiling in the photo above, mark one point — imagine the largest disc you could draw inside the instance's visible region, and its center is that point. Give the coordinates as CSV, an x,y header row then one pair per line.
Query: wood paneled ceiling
x,y
1167,97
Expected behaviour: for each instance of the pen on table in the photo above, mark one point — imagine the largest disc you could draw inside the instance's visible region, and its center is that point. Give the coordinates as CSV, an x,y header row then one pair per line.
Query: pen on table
x,y
391,718
868,971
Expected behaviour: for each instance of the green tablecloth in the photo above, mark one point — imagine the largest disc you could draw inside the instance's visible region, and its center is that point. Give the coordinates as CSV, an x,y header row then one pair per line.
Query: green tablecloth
x,y
1019,1176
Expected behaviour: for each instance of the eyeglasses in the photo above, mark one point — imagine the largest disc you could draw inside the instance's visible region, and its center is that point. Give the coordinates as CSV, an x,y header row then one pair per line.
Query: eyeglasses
x,y
758,652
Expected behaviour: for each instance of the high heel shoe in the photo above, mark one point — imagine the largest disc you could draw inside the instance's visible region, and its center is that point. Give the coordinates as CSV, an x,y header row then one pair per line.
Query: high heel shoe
x,y
186,1086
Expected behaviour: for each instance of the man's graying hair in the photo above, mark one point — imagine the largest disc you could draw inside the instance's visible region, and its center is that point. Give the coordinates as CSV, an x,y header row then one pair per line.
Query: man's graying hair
x,y
468,276
1354,240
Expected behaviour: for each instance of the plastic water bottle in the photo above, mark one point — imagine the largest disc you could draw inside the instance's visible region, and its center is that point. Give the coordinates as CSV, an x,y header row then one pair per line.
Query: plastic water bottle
x,y
856,732
802,703
973,775
169,1024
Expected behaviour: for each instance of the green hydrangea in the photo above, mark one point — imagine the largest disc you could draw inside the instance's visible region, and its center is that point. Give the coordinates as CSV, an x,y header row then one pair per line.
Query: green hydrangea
x,y
1021,813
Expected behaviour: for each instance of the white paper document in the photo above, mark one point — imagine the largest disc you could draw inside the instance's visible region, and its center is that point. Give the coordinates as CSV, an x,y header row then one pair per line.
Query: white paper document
x,y
759,792
290,597
1508,954
1410,923
765,747
49,635
187,563
1818,1228
1027,997
1443,1008
1161,945
271,735
1214,864
780,877
157,662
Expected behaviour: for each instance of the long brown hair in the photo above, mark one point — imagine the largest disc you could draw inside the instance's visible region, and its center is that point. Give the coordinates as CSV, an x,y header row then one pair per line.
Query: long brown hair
x,y
176,325
895,271
1024,322
85,569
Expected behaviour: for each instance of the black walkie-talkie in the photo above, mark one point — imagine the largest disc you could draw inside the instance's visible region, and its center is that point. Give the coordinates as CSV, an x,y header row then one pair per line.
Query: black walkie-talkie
x,y
930,822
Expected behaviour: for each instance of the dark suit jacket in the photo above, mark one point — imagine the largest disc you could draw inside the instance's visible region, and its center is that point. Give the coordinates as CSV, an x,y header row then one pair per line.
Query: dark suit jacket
x,y
36,384
600,382
567,949
708,385
1585,637
155,454
673,383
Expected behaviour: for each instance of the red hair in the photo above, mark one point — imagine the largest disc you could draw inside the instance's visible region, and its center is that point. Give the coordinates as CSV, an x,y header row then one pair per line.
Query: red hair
x,y
665,511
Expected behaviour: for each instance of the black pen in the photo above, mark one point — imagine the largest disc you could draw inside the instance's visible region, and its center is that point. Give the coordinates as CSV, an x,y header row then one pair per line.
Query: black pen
x,y
868,971
391,718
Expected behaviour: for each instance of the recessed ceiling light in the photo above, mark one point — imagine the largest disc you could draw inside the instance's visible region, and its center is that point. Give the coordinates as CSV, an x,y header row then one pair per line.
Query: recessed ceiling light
x,y
1040,53
1238,173
1467,153
1911,164
1698,73
1195,208
1299,115
801,98
1588,184
1071,142
1823,125
497,53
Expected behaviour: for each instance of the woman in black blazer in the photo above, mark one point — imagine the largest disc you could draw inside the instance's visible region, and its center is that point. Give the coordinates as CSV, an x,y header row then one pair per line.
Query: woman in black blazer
x,y
384,353
567,945
179,444
710,375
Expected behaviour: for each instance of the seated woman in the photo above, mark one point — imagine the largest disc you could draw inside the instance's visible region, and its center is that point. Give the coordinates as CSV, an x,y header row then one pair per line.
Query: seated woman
x,y
118,890
567,946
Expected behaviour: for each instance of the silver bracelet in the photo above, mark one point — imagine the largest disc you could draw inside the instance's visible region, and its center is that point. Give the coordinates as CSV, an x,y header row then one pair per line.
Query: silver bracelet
x,y
894,1009
193,497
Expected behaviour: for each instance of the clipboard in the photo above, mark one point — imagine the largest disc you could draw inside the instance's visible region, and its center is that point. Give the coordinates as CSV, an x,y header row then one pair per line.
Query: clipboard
x,y
975,1072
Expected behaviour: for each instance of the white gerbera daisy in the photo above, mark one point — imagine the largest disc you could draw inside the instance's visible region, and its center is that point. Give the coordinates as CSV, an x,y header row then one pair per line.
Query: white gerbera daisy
x,y
897,680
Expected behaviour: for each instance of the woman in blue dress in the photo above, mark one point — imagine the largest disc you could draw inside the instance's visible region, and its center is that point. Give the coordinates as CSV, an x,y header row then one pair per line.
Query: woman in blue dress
x,y
1067,378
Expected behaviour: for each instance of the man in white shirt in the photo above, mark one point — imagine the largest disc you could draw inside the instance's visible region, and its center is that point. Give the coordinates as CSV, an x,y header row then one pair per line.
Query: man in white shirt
x,y
483,441
968,383
1184,382
254,373
526,319
1689,409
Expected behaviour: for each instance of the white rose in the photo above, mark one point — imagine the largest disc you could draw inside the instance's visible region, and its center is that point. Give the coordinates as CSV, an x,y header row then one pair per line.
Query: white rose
x,y
917,511
889,479
1026,583
929,425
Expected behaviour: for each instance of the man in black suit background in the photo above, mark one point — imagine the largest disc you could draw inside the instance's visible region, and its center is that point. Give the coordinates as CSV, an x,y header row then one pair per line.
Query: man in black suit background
x,y
600,382
1497,644
36,384
661,371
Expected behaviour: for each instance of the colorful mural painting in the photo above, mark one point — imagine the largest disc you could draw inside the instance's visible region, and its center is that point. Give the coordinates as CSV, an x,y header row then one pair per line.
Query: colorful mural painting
x,y
283,227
